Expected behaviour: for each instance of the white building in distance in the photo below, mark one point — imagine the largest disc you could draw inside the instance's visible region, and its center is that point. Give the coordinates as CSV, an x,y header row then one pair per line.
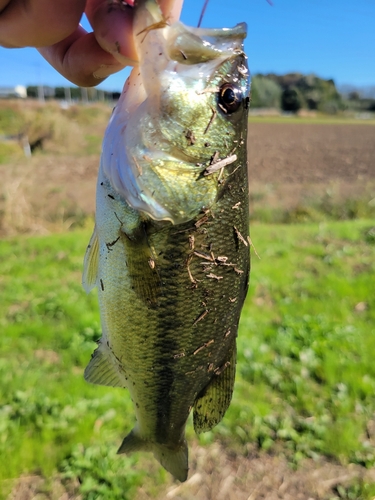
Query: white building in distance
x,y
18,91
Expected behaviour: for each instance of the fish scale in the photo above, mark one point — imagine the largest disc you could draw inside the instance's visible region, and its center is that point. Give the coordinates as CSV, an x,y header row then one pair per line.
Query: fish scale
x,y
170,252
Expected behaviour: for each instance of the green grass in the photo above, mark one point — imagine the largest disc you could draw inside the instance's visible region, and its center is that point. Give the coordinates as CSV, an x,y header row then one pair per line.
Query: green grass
x,y
306,375
76,131
308,338
318,209
9,150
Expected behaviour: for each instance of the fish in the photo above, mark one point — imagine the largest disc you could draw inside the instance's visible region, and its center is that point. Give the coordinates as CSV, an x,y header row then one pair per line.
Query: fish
x,y
169,254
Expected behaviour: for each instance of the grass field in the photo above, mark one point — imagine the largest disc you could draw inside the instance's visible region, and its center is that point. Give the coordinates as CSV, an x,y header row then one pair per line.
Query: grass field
x,y
305,386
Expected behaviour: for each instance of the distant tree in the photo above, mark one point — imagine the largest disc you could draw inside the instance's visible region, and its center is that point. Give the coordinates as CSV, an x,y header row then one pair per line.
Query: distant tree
x,y
265,93
59,93
313,92
32,91
354,96
313,98
291,100
331,106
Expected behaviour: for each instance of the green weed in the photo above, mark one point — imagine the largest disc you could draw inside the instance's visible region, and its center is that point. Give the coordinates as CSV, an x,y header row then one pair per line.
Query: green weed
x,y
101,473
306,377
9,150
356,491
10,119
316,210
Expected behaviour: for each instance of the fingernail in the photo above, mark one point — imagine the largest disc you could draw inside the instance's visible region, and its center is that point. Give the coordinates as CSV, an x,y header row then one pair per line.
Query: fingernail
x,y
125,61
105,70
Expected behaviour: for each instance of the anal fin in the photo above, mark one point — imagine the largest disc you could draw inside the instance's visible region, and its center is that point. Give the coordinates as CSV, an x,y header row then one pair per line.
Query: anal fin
x,y
211,405
101,369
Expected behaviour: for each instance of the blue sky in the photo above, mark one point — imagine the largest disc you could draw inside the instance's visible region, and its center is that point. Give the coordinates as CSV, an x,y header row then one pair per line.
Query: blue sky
x,y
333,39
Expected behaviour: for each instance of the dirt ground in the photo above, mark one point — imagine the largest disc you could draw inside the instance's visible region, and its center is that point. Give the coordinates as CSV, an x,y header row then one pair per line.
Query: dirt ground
x,y
291,164
288,163
311,154
217,475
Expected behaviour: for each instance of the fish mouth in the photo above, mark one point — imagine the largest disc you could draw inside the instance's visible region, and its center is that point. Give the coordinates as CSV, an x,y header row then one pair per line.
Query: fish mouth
x,y
198,45
178,42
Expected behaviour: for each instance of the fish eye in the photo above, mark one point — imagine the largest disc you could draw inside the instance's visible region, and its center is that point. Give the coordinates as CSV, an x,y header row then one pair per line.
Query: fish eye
x,y
230,98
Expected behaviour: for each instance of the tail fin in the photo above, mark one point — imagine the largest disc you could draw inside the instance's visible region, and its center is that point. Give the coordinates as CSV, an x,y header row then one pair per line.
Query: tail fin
x,y
174,460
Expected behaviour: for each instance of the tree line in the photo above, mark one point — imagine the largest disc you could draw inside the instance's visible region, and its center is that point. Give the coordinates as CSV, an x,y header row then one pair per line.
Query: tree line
x,y
295,91
290,93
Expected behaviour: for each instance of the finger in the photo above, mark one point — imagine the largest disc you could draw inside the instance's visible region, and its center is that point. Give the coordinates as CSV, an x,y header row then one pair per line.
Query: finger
x,y
85,62
112,25
38,23
80,59
171,9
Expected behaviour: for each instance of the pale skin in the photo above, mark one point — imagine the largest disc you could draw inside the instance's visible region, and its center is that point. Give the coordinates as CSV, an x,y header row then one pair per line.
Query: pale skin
x,y
52,26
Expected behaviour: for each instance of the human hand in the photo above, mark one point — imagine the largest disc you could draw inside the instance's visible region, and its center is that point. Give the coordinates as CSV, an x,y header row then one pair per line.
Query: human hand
x,y
52,26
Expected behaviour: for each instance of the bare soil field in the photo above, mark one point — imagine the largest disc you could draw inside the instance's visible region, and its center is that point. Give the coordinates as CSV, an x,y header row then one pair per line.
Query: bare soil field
x,y
311,154
288,164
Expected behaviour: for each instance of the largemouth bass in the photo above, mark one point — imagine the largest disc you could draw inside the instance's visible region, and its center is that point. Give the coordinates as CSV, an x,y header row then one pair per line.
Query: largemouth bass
x,y
170,250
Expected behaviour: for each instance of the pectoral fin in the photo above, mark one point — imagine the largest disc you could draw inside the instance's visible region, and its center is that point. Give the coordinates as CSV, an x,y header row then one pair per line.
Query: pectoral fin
x,y
142,265
214,401
90,263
